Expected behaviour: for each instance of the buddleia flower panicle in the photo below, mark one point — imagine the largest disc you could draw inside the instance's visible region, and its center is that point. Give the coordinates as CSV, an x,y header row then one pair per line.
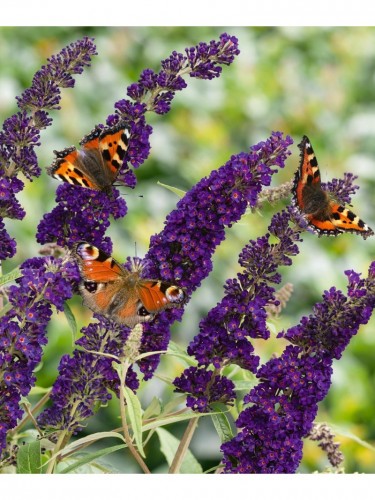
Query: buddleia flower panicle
x,y
342,189
20,133
88,219
225,333
87,377
183,251
45,282
284,403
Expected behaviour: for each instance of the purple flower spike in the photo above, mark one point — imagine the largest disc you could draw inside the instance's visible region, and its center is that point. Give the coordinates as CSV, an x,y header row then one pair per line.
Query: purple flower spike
x,y
20,134
44,92
182,252
225,332
85,378
285,402
205,59
44,282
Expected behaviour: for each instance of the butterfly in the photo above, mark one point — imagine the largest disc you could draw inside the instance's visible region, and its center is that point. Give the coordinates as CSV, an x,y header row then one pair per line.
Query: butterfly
x,y
97,164
324,214
108,288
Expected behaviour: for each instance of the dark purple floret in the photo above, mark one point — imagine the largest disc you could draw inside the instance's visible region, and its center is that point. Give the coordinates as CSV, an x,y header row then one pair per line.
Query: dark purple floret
x,y
285,402
205,59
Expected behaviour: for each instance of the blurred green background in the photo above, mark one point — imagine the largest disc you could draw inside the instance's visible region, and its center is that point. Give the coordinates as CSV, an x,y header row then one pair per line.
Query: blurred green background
x,y
316,81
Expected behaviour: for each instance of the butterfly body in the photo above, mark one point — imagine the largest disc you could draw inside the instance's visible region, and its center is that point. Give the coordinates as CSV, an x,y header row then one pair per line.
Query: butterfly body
x,y
110,289
323,213
97,164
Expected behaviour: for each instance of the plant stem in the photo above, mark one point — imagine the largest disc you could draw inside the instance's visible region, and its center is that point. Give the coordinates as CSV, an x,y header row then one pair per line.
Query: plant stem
x,y
125,428
183,446
51,464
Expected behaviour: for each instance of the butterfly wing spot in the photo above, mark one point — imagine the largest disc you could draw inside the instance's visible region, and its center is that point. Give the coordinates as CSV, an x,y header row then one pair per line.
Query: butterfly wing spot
x,y
91,286
175,294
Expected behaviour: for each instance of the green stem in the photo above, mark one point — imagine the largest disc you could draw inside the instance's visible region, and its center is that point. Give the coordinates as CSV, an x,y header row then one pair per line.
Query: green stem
x,y
125,428
183,446
52,463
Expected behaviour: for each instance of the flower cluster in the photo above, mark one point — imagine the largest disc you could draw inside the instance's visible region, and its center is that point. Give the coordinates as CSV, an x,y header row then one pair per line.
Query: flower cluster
x,y
241,314
204,388
325,437
202,61
20,133
78,217
44,281
182,252
86,377
284,403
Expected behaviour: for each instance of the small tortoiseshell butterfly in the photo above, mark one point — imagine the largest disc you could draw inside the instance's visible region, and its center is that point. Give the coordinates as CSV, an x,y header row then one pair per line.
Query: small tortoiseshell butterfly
x,y
97,164
108,288
324,215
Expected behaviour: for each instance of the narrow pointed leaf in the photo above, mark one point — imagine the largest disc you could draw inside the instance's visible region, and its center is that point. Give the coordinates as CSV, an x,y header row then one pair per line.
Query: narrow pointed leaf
x,y
169,445
135,417
222,424
11,276
89,457
180,193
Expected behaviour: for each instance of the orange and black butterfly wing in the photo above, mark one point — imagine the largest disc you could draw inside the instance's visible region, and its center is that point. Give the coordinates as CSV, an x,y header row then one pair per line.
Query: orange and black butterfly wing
x,y
113,144
341,220
307,178
69,167
97,266
157,295
80,167
324,215
96,165
101,277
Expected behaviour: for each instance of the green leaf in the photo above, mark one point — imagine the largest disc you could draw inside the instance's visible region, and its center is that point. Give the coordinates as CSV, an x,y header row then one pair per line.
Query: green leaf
x,y
180,193
85,459
135,417
71,320
169,445
222,424
13,275
92,438
175,350
244,385
153,409
29,458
